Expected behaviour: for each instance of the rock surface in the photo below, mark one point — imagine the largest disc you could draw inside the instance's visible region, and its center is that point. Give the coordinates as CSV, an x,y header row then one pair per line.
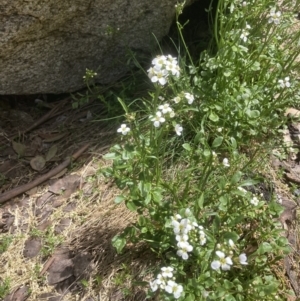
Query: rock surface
x,y
46,45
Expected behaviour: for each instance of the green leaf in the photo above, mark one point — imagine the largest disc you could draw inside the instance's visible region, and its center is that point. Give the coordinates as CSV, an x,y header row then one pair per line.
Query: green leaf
x,y
233,143
265,247
255,66
253,113
119,243
227,284
142,221
157,195
119,199
227,73
236,177
200,201
189,297
144,230
249,182
217,142
187,146
270,288
231,235
223,203
110,156
131,206
207,153
213,117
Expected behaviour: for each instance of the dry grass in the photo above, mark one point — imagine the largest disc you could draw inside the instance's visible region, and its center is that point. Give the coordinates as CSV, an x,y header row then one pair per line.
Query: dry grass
x,y
94,222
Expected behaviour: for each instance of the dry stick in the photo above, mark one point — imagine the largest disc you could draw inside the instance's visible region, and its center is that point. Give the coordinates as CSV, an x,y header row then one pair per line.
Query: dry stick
x,y
23,188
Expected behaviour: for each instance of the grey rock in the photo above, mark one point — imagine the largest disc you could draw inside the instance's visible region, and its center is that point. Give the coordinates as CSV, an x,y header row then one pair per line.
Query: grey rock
x,y
46,45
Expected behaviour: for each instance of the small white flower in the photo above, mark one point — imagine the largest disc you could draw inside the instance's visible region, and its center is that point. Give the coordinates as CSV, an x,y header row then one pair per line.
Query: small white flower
x,y
165,108
178,129
195,225
274,17
178,216
158,119
159,62
243,259
279,199
172,59
244,35
231,243
190,98
160,279
123,129
172,114
160,77
174,288
182,238
284,82
202,239
177,99
223,262
151,72
167,272
186,225
226,162
154,285
184,249
254,201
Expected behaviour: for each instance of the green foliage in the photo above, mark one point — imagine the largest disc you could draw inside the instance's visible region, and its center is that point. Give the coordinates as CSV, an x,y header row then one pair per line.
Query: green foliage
x,y
182,165
4,287
5,241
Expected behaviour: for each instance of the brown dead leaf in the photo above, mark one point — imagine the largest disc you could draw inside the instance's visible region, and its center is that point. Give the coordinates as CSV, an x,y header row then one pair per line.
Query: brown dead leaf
x,y
67,185
61,269
32,247
56,137
51,152
20,294
37,163
31,191
19,148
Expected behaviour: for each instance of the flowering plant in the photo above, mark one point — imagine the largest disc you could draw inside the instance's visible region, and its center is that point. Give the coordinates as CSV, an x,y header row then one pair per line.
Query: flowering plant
x,y
181,166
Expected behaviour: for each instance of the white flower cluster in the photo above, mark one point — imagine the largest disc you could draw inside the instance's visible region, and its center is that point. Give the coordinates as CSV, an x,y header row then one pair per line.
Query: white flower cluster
x,y
188,96
182,228
284,82
225,262
162,67
164,111
254,201
245,33
165,281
